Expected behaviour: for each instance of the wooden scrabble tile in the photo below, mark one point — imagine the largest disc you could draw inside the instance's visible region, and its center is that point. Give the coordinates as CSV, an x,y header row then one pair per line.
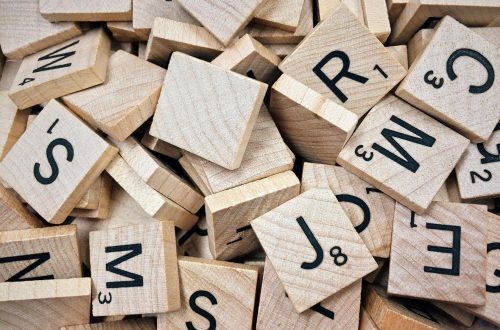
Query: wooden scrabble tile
x,y
400,53
224,24
125,32
194,242
297,234
370,210
103,205
478,171
314,126
266,154
13,214
214,294
368,70
409,168
168,36
39,254
90,200
442,195
229,212
12,123
433,78
144,280
282,50
340,311
53,182
249,57
281,14
24,31
418,43
8,74
93,10
377,18
456,313
154,203
489,33
365,321
187,112
395,8
125,100
159,146
326,8
444,249
129,324
62,69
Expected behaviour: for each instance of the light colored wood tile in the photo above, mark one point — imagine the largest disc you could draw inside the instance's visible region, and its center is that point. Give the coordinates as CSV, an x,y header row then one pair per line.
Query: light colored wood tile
x,y
365,321
194,242
125,32
90,200
282,50
8,74
400,53
102,210
130,324
159,146
13,213
280,14
377,18
456,313
395,8
12,123
90,11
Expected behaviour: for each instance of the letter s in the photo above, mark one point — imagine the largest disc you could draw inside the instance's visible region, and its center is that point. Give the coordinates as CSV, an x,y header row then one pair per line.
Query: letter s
x,y
200,311
52,162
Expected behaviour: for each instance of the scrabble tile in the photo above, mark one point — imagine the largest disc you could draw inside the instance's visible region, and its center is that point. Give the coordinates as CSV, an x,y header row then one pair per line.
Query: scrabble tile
x,y
409,159
129,324
103,204
282,50
159,146
13,214
370,210
12,123
249,57
229,212
187,112
489,33
456,313
440,72
8,74
90,200
24,31
194,242
50,304
62,69
297,234
327,7
340,311
214,294
144,280
93,10
281,14
266,155
400,53
418,43
478,171
377,18
365,321
53,182
155,204
224,24
168,36
315,127
395,8
368,70
125,32
39,254
442,195
444,249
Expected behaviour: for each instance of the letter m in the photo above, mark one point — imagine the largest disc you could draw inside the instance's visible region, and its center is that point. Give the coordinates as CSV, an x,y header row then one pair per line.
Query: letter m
x,y
56,56
135,279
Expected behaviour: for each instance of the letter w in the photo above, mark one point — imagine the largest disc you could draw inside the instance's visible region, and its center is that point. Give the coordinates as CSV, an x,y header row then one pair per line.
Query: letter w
x,y
40,259
136,280
56,58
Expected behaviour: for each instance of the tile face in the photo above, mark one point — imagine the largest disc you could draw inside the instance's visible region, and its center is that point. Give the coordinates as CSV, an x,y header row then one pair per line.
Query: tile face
x,y
214,295
443,249
403,152
454,80
134,270
65,68
370,210
343,61
187,113
14,215
92,10
55,162
313,247
281,14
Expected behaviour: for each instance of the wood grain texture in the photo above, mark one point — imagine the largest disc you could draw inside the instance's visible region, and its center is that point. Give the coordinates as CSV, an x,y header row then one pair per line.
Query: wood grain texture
x,y
102,210
370,211
395,8
8,74
187,113
400,53
159,146
326,8
194,242
377,18
90,200
281,14
340,311
229,212
54,193
342,36
125,32
472,113
48,304
441,277
155,263
418,43
62,69
410,171
266,154
314,127
12,123
91,10
286,232
365,321
456,313
230,286
132,324
282,50
13,213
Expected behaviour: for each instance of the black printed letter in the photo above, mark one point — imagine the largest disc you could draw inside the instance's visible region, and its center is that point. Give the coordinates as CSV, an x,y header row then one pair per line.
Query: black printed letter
x,y
201,311
454,250
136,280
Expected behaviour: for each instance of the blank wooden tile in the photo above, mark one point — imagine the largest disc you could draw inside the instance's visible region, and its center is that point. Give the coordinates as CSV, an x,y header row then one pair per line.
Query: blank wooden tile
x,y
409,168
377,18
159,146
125,32
13,213
456,313
12,123
340,311
444,249
54,182
154,203
62,69
370,210
103,204
144,280
229,212
168,36
249,57
281,14
224,24
214,294
314,127
395,8
194,242
187,113
93,10
130,324
371,71
39,254
266,154
297,234
44,304
459,91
